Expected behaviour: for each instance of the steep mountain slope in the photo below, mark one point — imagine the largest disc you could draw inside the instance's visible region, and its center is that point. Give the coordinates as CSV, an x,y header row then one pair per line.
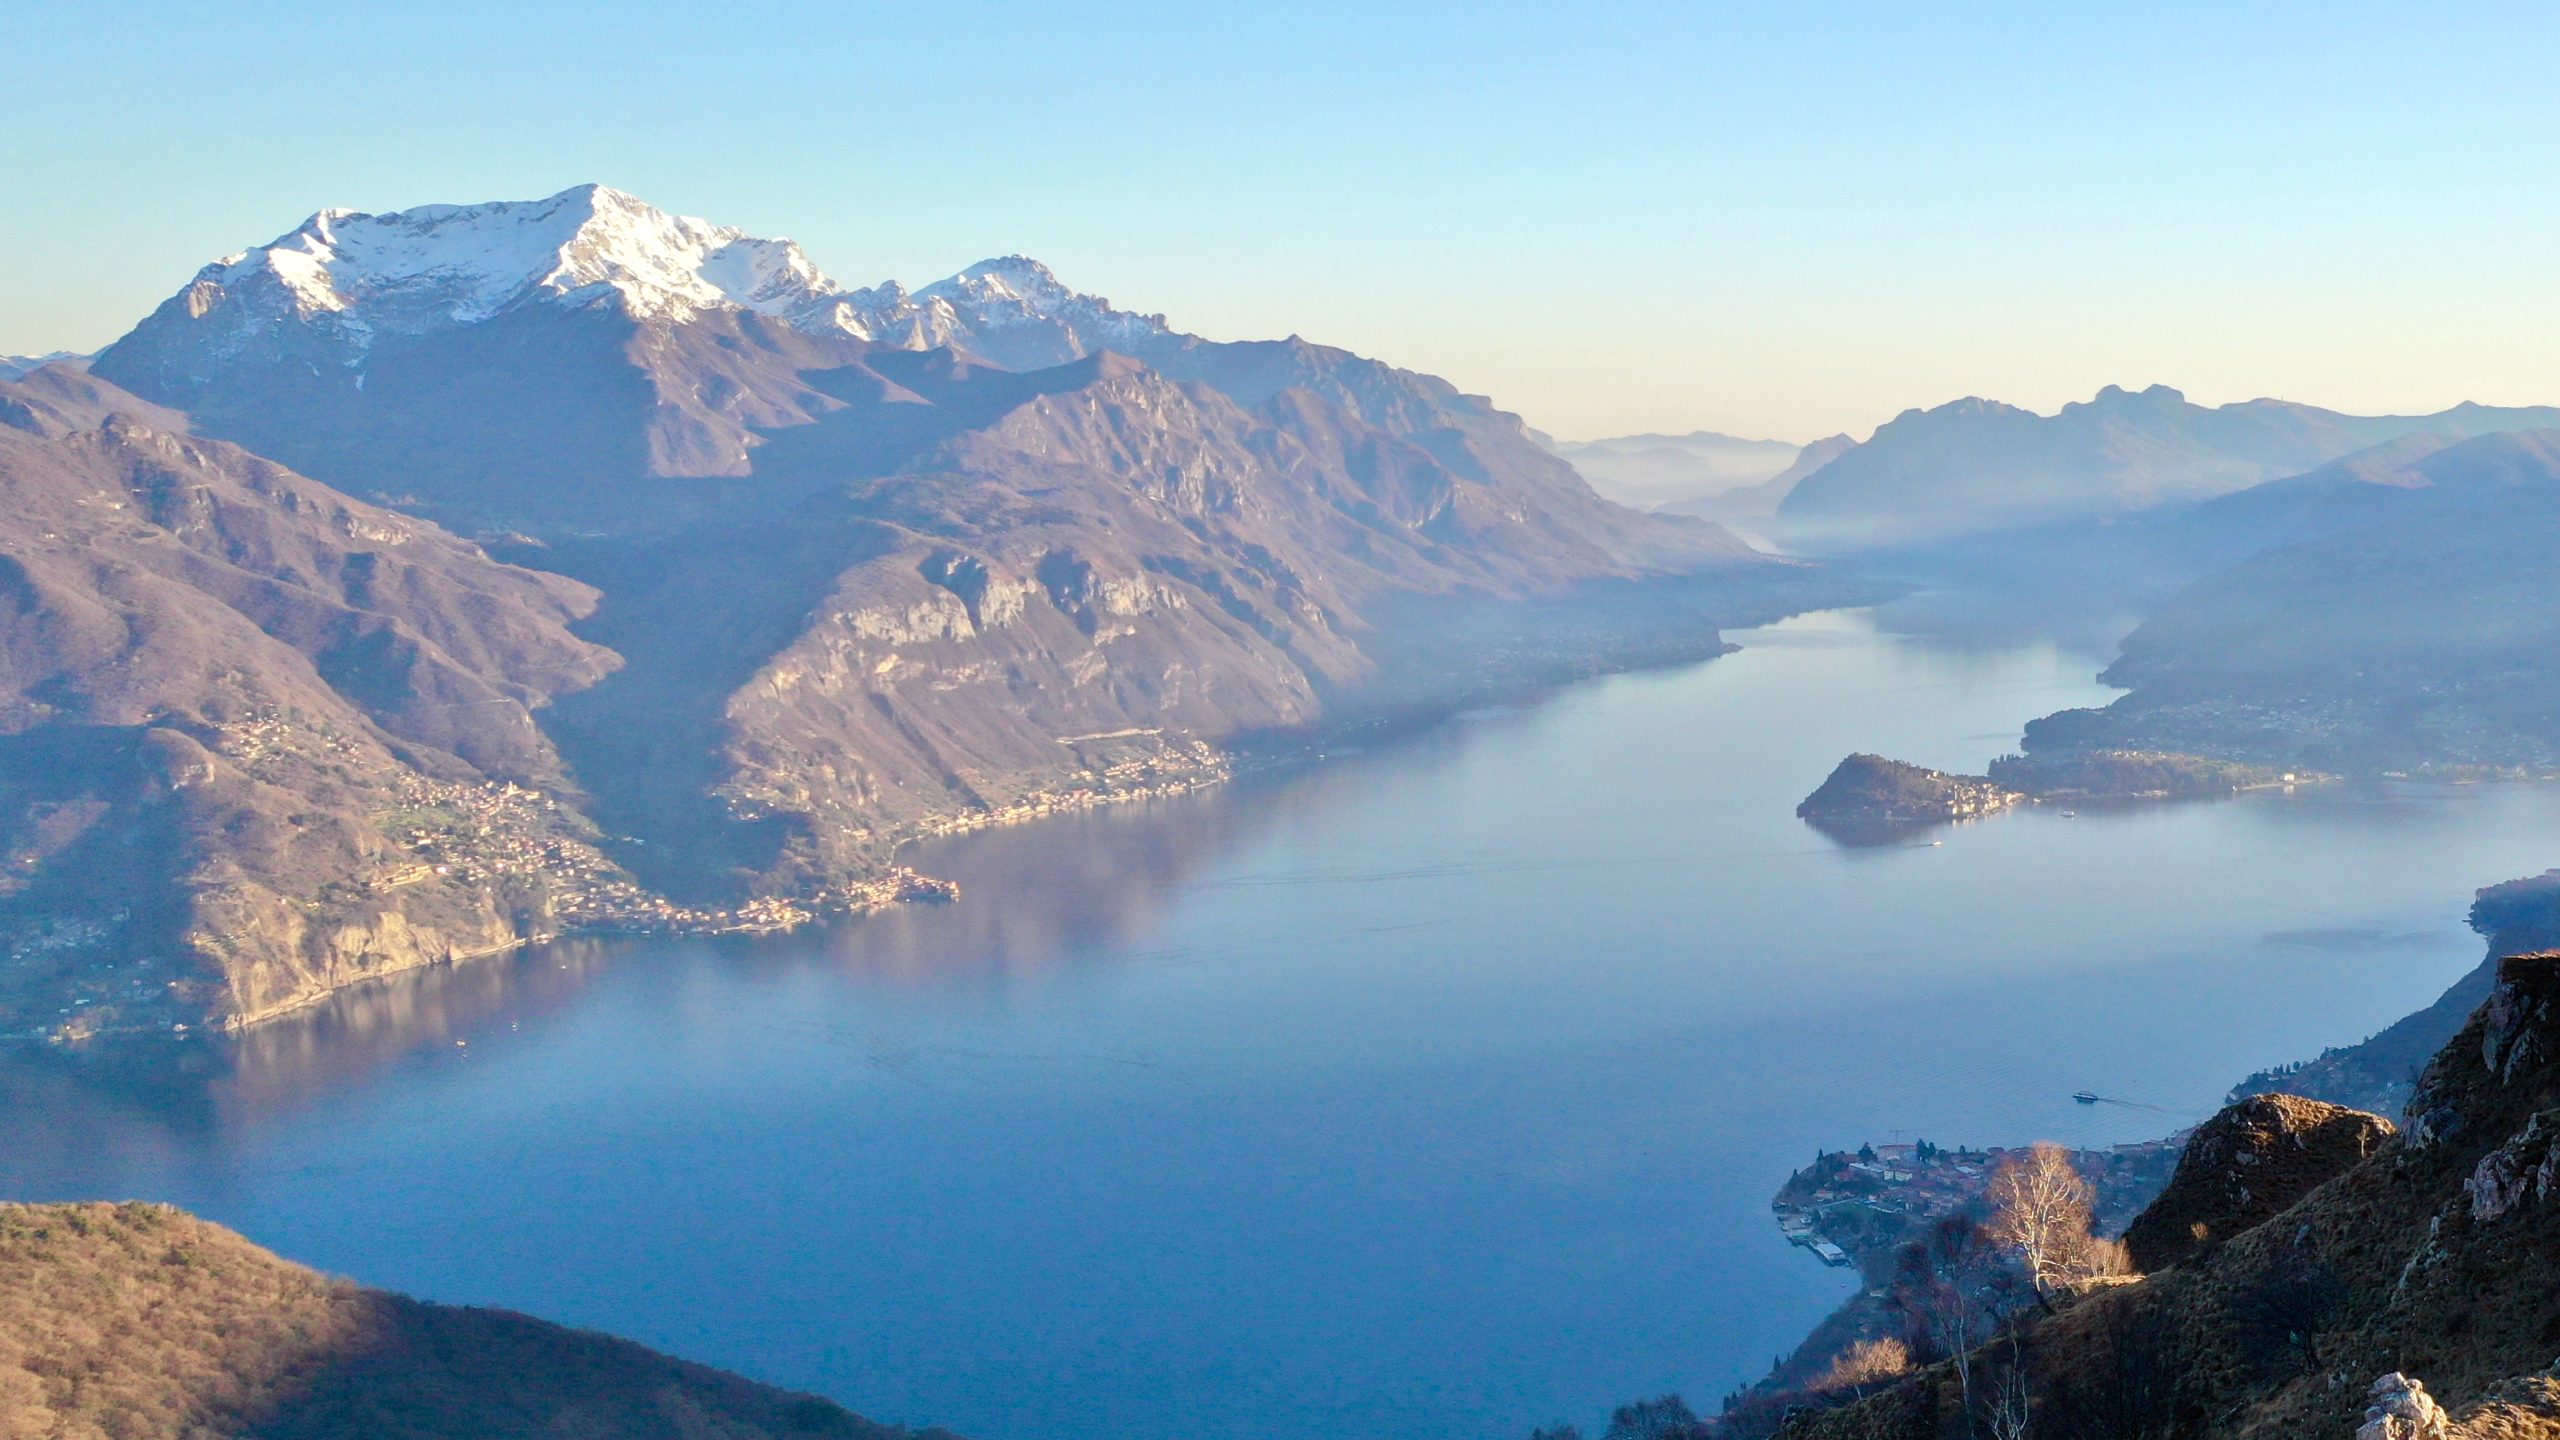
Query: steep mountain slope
x,y
2417,1272
227,694
2379,1072
884,562
2421,633
142,1322
1975,465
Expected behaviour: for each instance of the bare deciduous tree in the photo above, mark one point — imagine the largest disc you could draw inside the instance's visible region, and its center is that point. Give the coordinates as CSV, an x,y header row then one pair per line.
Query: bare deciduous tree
x,y
2007,1401
1952,1290
1668,1418
2040,1209
1868,1365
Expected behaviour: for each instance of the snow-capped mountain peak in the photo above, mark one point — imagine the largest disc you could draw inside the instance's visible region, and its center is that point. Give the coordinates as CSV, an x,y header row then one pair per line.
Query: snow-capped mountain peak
x,y
436,266
344,282
1017,313
1007,280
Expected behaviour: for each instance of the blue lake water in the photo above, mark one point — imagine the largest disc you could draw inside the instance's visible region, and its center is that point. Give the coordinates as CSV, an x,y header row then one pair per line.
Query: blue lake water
x,y
1432,1092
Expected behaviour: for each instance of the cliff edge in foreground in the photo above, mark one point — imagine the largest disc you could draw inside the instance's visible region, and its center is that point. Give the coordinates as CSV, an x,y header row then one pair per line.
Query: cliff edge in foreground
x,y
2407,1295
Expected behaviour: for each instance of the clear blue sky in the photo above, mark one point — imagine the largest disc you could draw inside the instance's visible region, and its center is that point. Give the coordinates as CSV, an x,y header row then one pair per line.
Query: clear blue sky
x,y
1773,220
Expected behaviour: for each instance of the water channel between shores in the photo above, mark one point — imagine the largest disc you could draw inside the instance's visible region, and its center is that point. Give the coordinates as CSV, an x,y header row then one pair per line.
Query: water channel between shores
x,y
1436,1091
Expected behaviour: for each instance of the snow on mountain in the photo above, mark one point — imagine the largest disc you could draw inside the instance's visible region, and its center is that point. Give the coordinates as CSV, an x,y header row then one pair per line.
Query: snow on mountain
x,y
357,276
1015,312
439,266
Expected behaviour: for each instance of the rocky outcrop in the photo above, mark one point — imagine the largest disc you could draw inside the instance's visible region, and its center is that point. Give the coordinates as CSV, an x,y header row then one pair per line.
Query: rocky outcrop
x,y
2525,1408
2399,1408
2246,1165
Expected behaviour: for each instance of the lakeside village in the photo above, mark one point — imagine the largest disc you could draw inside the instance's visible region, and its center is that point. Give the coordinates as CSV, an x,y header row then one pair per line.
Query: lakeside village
x,y
495,833
503,833
1175,767
1858,1208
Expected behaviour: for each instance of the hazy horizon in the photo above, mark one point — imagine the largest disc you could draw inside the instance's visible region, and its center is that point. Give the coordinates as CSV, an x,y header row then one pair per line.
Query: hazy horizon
x,y
1629,219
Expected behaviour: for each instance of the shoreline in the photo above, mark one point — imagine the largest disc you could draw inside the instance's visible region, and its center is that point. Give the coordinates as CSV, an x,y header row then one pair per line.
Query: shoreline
x,y
640,913
1865,1205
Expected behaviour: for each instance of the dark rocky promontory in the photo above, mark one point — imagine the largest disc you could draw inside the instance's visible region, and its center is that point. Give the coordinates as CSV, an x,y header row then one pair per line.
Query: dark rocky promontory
x,y
1869,799
2244,1166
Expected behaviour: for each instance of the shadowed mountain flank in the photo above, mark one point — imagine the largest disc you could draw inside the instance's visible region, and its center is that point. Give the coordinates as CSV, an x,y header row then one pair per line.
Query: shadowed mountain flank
x,y
144,1322
2405,619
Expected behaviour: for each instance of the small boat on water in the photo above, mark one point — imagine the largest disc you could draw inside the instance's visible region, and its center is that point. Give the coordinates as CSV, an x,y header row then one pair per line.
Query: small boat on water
x,y
2084,1097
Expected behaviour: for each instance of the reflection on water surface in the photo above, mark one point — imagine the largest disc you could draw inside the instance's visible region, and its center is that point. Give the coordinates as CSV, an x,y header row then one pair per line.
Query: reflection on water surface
x,y
1435,1091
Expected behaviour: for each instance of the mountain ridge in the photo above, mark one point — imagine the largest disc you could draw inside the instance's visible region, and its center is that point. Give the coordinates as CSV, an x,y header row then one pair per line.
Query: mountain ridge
x,y
1975,466
2395,615
861,591
223,684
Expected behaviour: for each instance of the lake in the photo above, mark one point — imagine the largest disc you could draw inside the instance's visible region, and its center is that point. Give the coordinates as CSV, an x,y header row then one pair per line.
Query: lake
x,y
1437,1091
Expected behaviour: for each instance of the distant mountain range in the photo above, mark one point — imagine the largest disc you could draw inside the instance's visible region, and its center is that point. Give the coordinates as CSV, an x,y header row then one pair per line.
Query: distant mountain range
x,y
799,571
1755,506
1975,466
2392,610
2314,590
14,366
1653,471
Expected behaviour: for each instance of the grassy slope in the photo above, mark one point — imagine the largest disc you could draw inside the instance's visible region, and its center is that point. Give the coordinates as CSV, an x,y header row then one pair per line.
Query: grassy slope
x,y
140,1321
